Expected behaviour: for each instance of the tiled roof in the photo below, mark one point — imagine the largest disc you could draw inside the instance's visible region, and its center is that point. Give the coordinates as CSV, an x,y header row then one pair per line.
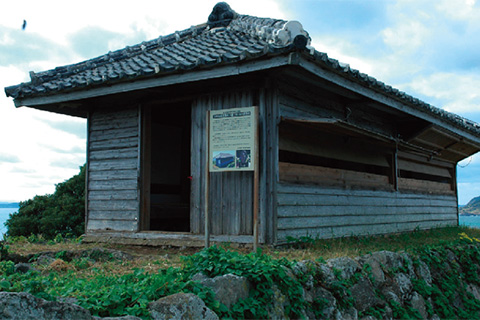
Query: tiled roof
x,y
245,37
226,38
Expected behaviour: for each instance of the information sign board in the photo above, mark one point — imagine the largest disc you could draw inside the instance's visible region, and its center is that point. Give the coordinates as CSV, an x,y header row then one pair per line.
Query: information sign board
x,y
232,139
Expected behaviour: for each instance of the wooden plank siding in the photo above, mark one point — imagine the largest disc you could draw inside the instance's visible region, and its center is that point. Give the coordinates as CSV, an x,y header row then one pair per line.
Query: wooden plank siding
x,y
307,210
113,168
230,193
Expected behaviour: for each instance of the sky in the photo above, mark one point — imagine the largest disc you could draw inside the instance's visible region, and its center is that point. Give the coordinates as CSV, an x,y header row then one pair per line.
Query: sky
x,y
428,48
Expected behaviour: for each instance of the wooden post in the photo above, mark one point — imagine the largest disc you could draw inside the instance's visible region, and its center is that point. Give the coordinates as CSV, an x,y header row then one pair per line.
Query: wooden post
x,y
395,167
255,186
87,169
207,180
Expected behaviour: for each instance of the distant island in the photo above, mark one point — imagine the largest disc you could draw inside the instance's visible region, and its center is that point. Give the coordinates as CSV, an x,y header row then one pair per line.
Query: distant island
x,y
472,208
9,204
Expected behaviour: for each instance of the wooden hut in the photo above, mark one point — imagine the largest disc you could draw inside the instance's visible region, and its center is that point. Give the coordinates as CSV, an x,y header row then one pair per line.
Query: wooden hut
x,y
340,153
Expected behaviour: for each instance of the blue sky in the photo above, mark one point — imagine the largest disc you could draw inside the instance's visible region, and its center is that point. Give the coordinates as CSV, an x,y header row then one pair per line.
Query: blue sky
x,y
429,49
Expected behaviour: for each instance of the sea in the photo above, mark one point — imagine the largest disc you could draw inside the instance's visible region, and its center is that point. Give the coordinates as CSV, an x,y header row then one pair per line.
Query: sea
x,y
4,214
470,221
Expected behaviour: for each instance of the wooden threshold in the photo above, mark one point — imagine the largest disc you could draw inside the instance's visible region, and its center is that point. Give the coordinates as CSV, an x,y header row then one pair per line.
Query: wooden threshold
x,y
160,238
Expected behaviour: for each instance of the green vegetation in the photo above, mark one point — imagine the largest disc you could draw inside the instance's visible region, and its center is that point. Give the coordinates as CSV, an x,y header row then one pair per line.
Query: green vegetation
x,y
117,287
62,212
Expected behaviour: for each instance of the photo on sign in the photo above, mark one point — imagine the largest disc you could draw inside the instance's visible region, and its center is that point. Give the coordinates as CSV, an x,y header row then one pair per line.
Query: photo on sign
x,y
244,159
223,159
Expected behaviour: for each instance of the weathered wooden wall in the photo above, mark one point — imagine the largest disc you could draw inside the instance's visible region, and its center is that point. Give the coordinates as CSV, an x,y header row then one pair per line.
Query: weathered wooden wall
x,y
113,170
338,193
309,210
230,193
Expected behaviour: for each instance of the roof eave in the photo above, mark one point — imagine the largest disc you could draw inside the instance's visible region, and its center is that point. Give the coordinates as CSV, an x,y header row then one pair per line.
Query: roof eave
x,y
384,98
165,80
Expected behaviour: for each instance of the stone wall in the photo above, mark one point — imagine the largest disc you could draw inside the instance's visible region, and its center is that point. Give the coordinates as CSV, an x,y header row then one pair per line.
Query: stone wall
x,y
435,284
440,283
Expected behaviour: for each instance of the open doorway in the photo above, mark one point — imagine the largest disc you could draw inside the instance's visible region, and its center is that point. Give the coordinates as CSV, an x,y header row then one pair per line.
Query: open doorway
x,y
170,168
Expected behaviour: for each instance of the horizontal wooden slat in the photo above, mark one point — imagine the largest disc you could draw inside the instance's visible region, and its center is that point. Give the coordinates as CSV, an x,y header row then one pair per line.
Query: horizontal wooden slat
x,y
113,205
373,229
425,168
105,135
114,185
328,212
112,116
345,200
299,173
113,144
113,215
110,175
285,188
113,195
368,210
424,186
336,221
113,225
421,159
114,164
114,154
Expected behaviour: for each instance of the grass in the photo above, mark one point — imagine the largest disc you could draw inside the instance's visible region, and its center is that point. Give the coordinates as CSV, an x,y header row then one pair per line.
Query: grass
x,y
154,258
354,246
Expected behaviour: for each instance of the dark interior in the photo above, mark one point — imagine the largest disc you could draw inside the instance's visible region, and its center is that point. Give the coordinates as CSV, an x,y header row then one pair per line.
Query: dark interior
x,y
170,168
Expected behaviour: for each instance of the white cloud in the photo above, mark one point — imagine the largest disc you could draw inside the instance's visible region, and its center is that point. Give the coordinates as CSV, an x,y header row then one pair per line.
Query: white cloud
x,y
343,51
467,191
459,92
406,37
459,9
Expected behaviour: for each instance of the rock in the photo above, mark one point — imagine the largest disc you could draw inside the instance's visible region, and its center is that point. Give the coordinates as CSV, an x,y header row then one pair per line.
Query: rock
x,y
423,272
376,270
347,314
408,264
418,303
44,260
24,267
326,274
389,260
474,290
279,302
228,289
391,296
180,306
347,266
300,269
24,306
323,301
402,286
364,295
